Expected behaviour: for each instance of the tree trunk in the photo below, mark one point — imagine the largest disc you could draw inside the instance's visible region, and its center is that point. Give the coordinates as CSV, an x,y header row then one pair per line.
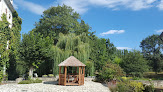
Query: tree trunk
x,y
4,69
31,71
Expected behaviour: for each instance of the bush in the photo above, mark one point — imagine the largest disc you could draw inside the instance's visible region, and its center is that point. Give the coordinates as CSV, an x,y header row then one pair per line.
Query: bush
x,y
1,76
30,81
50,75
129,86
25,82
126,78
148,88
110,71
44,76
37,81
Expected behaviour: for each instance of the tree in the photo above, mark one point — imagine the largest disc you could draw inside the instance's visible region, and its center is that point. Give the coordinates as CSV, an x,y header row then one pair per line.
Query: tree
x,y
134,64
61,19
152,47
70,45
34,50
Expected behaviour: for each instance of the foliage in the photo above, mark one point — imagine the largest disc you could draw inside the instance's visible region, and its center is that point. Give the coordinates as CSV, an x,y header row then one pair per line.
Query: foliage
x,y
149,88
126,78
110,71
30,81
70,45
152,47
50,75
34,50
134,64
15,38
129,86
61,19
44,75
4,38
153,75
90,68
1,76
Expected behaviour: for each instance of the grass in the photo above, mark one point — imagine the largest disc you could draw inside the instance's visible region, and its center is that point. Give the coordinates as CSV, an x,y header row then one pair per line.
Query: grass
x,y
30,81
153,75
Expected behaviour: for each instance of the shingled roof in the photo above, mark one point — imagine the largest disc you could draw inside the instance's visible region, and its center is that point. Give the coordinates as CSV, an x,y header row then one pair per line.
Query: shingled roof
x,y
71,61
10,5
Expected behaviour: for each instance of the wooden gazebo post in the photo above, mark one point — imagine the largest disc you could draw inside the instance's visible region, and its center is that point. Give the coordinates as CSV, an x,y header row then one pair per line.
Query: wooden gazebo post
x,y
83,73
59,75
65,75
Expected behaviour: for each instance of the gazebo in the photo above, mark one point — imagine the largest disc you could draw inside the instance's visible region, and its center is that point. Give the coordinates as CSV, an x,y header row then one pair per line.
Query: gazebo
x,y
71,72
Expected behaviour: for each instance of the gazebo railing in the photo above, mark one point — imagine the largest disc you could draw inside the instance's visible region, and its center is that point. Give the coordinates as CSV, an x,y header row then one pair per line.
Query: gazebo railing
x,y
71,78
61,77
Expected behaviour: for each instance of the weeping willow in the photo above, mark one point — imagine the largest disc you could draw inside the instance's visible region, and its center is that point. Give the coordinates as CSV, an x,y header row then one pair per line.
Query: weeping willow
x,y
70,45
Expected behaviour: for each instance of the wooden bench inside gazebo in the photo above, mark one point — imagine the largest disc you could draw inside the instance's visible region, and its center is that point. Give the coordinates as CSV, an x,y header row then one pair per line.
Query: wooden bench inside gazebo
x,y
71,72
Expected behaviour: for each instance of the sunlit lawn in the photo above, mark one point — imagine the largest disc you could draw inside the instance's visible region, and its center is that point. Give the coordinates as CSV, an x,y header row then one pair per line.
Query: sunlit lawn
x,y
153,75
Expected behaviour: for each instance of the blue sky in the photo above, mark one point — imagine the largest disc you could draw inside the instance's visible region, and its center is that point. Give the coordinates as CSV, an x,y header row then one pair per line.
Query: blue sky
x,y
125,22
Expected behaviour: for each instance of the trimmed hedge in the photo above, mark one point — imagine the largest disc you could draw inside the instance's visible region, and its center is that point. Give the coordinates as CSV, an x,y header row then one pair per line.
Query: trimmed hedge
x,y
30,81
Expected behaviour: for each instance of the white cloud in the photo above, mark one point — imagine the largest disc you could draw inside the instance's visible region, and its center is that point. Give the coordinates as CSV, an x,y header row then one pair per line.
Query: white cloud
x,y
140,4
15,6
122,48
81,6
159,31
30,6
112,32
160,6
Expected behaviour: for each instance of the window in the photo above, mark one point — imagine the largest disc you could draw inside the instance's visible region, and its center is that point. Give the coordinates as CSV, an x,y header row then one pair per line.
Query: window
x,y
9,16
6,11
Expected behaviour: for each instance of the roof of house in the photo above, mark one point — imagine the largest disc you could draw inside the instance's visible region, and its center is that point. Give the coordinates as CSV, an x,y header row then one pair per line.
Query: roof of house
x,y
71,61
9,5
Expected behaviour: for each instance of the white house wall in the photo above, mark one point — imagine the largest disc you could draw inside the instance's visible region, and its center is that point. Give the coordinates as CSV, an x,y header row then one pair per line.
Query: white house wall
x,y
3,7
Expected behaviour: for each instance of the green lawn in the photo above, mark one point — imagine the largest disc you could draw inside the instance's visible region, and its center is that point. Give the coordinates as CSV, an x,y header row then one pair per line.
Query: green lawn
x,y
153,75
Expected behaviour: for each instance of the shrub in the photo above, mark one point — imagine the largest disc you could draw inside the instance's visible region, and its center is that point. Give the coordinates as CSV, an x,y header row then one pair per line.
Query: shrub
x,y
44,76
50,75
30,81
129,86
25,82
148,88
1,76
110,71
37,81
126,78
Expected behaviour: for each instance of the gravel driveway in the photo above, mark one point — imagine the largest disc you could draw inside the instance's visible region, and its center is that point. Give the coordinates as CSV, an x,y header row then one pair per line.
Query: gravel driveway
x,y
89,86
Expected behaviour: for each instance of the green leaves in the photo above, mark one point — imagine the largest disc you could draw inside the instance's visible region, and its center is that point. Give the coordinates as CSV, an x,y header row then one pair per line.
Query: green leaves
x,y
35,49
134,64
61,19
152,47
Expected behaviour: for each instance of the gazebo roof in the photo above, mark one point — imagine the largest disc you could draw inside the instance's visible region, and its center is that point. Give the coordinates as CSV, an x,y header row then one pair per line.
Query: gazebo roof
x,y
71,61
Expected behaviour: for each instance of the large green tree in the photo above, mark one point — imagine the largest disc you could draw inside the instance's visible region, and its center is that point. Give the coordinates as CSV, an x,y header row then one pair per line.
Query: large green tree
x,y
152,47
70,45
34,50
60,19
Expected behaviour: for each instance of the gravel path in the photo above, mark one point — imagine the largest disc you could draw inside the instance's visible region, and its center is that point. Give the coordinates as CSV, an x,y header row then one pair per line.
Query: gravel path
x,y
89,86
